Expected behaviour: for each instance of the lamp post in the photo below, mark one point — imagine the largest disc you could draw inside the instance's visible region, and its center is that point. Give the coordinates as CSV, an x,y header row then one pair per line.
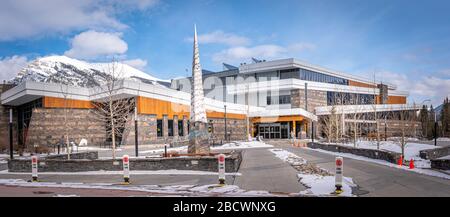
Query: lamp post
x,y
225,120
11,151
136,132
435,128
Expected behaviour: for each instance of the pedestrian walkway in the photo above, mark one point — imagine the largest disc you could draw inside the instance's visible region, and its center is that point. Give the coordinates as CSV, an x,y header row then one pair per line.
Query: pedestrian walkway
x,y
261,170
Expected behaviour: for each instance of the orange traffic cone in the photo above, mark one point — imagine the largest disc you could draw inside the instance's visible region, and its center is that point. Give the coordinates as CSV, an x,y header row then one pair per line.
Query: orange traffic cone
x,y
411,164
400,161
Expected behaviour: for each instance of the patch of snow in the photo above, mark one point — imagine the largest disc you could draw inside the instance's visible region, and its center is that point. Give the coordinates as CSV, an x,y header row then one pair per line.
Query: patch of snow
x,y
242,145
385,163
66,195
324,185
175,190
227,146
288,156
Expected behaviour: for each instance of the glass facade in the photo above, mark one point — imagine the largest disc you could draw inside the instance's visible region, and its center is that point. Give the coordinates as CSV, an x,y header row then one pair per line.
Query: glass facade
x,y
338,98
170,127
308,75
180,128
159,128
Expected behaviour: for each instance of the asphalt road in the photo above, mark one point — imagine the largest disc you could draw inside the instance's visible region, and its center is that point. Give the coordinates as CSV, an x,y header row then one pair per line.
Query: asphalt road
x,y
376,179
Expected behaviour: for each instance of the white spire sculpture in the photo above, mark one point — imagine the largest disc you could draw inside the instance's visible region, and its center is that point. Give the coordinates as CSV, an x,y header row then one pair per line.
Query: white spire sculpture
x,y
198,113
198,133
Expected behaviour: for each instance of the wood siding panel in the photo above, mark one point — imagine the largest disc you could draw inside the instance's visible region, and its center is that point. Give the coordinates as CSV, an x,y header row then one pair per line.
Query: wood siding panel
x,y
160,107
359,84
55,102
396,100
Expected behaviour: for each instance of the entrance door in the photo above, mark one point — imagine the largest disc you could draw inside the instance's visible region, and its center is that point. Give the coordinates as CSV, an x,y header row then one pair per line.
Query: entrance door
x,y
270,131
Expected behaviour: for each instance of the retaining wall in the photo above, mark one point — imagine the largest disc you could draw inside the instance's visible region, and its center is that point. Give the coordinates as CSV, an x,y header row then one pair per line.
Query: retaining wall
x,y
388,156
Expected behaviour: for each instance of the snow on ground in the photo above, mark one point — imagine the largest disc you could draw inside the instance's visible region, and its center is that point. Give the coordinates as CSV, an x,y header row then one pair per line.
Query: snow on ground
x,y
428,172
227,146
174,190
66,195
443,139
132,172
412,150
317,183
242,145
324,185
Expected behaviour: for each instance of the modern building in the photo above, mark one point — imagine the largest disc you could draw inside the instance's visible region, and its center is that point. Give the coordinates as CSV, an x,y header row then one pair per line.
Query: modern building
x,y
272,99
290,94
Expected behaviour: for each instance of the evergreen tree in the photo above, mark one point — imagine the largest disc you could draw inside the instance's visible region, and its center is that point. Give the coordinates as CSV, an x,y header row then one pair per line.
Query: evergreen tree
x,y
430,132
445,117
424,119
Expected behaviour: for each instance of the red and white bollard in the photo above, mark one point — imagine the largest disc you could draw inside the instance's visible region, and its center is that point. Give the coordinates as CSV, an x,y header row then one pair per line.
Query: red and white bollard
x,y
221,163
126,169
339,174
34,168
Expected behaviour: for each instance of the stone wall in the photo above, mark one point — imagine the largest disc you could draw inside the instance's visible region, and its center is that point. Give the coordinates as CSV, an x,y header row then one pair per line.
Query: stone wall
x,y
47,127
388,156
316,98
4,127
440,164
232,163
146,130
236,129
90,155
435,153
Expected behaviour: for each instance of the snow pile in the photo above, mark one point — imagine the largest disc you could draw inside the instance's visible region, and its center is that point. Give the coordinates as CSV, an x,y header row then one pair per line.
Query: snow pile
x,y
174,190
227,146
242,145
412,150
324,185
319,181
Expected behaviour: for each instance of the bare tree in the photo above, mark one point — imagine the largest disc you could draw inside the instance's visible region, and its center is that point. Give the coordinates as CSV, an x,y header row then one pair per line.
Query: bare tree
x,y
67,108
112,109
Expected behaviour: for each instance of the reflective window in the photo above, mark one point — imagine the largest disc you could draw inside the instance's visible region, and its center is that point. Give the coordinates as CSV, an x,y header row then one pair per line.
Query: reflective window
x,y
308,75
338,98
159,128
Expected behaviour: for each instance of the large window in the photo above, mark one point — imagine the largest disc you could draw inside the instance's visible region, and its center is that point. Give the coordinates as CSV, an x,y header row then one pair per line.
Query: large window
x,y
308,75
180,128
338,98
274,100
170,127
159,128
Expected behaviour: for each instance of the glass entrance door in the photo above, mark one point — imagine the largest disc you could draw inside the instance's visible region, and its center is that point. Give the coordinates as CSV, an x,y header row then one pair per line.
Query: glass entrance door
x,y
270,131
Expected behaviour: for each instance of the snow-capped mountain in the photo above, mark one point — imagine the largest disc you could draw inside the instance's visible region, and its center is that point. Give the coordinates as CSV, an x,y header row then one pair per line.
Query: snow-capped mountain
x,y
62,69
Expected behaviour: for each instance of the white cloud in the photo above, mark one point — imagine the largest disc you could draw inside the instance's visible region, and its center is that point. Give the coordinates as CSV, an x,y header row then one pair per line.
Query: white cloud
x,y
136,63
93,44
29,18
135,4
242,53
220,37
10,66
420,88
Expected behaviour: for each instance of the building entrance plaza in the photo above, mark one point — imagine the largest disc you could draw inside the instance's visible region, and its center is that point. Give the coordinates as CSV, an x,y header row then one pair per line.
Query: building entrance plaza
x,y
281,129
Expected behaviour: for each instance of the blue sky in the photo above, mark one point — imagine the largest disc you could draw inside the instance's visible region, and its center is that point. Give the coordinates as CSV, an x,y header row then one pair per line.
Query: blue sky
x,y
403,42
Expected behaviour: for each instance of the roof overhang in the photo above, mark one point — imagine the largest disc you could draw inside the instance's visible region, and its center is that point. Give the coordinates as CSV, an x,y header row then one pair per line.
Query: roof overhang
x,y
294,63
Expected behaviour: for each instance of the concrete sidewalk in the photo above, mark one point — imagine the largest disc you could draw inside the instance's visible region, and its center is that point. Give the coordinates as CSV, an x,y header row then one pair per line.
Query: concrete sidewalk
x,y
261,170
